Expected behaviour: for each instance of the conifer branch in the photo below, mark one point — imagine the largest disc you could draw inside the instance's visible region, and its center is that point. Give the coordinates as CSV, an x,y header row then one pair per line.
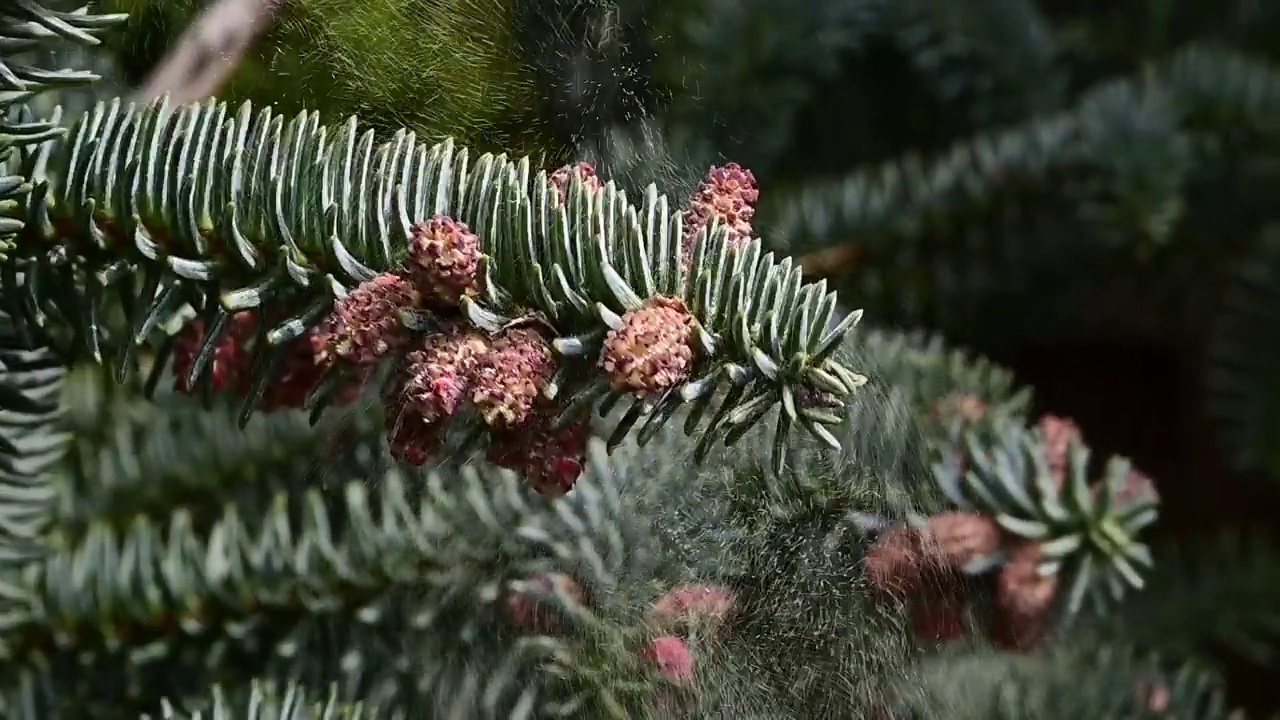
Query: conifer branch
x,y
30,443
26,26
293,239
372,587
1212,594
129,459
268,701
1069,681
1194,93
1027,486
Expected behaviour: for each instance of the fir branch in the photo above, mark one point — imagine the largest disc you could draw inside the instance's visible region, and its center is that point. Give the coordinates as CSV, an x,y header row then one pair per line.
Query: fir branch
x,y
151,459
243,212
1240,377
25,26
1219,88
999,55
1192,95
909,196
1087,531
30,373
995,56
789,546
1035,482
1110,683
30,444
929,373
376,592
1209,596
268,701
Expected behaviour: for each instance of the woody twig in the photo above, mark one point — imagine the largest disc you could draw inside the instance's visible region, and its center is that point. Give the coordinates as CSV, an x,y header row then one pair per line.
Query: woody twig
x,y
208,52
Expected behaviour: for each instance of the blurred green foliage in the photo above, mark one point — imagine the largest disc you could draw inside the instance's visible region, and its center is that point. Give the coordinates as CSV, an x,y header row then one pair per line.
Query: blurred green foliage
x,y
436,67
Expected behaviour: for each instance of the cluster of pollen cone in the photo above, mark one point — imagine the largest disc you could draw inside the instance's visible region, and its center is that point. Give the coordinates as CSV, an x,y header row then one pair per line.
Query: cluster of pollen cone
x,y
675,625
411,317
929,564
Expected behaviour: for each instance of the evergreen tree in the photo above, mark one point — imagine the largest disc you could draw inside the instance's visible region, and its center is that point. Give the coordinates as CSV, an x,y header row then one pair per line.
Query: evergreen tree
x,y
301,419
